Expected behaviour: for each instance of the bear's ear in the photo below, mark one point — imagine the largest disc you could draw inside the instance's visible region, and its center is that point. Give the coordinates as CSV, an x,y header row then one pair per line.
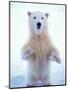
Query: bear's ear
x,y
29,13
46,14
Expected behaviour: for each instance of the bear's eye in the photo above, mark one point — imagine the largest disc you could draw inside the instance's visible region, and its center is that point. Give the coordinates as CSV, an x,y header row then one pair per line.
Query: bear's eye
x,y
34,17
42,18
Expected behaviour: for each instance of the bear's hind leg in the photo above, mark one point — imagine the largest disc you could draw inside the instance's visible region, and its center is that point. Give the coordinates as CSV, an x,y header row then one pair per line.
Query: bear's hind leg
x,y
32,81
46,81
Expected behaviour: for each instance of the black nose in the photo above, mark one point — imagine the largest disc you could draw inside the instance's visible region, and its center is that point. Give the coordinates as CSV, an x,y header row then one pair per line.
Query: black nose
x,y
38,24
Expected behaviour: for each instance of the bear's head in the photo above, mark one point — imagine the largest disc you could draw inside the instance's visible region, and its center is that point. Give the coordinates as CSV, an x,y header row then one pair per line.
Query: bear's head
x,y
38,22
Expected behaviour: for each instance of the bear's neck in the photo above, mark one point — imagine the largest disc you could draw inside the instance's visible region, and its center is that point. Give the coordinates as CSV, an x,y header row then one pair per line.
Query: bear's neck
x,y
39,36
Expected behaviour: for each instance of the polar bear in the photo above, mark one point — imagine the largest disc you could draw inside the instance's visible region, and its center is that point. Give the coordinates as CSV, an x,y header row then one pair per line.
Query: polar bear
x,y
39,50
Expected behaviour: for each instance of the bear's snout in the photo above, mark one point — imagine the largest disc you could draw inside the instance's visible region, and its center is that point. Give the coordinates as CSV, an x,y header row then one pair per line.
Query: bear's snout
x,y
38,25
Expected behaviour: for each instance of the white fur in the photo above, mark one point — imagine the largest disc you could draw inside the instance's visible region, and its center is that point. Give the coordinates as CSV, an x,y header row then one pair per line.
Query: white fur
x,y
38,68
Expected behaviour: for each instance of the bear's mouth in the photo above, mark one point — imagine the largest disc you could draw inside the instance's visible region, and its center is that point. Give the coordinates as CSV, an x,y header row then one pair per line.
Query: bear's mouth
x,y
38,27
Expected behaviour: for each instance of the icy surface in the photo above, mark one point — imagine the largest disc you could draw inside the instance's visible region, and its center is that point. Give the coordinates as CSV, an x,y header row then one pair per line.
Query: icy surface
x,y
18,81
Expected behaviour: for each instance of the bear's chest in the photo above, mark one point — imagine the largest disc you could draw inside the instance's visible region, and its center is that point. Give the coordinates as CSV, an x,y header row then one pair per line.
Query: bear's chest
x,y
41,48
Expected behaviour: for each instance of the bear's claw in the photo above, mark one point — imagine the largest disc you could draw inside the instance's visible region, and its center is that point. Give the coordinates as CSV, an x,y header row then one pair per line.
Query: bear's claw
x,y
26,53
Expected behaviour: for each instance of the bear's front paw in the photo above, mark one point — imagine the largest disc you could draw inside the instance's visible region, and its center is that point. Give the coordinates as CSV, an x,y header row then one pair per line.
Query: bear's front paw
x,y
55,56
26,53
